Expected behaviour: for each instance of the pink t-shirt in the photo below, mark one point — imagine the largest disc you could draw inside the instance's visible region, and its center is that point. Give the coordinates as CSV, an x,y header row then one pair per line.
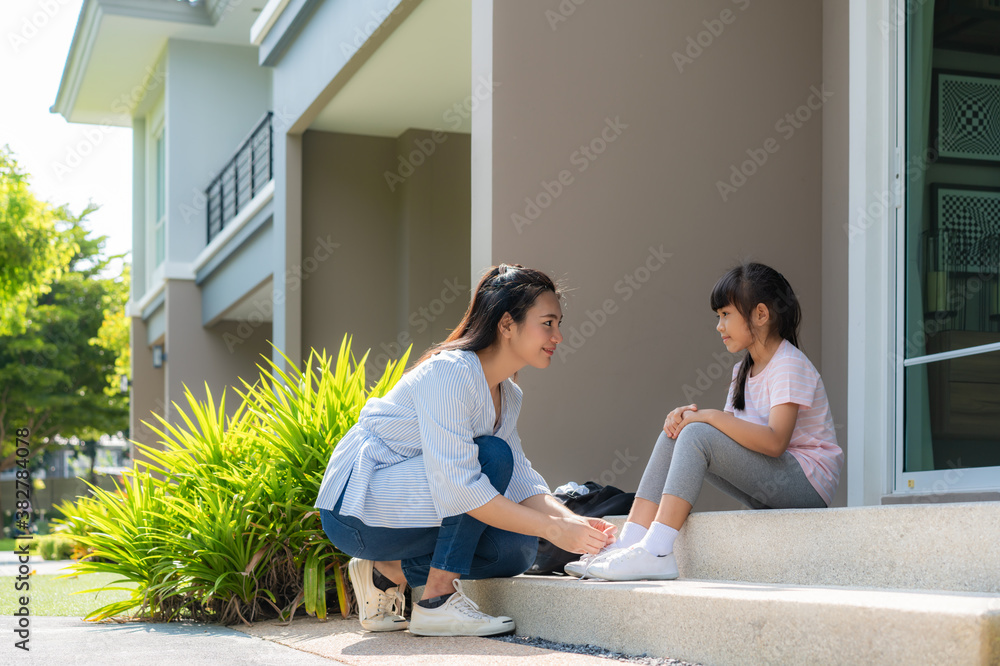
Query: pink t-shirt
x,y
790,377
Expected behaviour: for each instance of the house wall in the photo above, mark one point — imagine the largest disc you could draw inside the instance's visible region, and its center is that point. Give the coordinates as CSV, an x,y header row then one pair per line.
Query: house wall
x,y
346,204
146,394
399,272
209,111
641,229
835,216
197,356
434,227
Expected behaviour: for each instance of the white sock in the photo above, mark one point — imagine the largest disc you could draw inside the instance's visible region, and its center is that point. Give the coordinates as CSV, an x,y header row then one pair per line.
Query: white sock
x,y
659,540
632,533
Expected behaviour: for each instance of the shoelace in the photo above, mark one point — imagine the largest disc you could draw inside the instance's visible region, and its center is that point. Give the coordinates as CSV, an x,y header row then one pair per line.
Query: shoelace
x,y
467,606
390,602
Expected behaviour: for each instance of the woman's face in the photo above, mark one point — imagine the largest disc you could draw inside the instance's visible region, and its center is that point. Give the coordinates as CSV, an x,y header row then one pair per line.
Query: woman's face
x,y
733,327
534,340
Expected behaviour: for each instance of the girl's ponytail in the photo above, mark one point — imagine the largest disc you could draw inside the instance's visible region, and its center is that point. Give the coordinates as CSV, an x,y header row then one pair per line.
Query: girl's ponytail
x,y
743,287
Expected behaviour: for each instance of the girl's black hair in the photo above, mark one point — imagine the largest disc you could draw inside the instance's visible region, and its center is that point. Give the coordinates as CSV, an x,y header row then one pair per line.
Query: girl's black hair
x,y
505,288
743,287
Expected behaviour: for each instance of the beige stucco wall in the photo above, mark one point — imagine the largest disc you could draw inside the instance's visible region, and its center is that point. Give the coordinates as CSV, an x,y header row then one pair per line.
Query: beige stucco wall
x,y
399,273
197,356
669,121
146,394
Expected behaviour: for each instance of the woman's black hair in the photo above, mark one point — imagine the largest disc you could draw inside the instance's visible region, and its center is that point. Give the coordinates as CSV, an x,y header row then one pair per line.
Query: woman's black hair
x,y
504,288
743,287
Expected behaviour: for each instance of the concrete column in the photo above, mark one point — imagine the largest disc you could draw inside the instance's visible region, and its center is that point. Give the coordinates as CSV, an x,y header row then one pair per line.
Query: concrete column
x,y
287,332
147,389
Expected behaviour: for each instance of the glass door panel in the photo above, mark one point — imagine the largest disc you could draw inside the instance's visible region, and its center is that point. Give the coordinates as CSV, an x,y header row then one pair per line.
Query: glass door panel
x,y
950,240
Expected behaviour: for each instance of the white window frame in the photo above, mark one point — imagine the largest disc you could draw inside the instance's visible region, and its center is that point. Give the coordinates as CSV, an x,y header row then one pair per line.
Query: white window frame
x,y
962,479
157,126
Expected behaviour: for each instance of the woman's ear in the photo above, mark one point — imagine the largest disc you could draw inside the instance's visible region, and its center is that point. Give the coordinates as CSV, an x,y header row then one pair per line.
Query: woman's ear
x,y
506,325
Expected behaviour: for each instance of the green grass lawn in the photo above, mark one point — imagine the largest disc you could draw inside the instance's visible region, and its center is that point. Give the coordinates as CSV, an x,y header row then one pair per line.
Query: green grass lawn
x,y
8,545
53,596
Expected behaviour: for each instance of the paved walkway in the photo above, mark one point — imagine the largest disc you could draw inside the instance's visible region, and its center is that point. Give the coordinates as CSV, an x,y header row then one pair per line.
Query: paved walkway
x,y
305,642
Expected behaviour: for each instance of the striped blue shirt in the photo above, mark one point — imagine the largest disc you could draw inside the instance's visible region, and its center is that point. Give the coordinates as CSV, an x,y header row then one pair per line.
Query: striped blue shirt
x,y
410,460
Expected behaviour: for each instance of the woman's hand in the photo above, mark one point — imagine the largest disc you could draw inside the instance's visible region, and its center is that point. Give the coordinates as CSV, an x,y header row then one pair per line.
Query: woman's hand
x,y
576,534
677,419
606,527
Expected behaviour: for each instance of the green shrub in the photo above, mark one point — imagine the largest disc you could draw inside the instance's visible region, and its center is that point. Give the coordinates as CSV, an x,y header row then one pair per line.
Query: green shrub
x,y
218,524
55,546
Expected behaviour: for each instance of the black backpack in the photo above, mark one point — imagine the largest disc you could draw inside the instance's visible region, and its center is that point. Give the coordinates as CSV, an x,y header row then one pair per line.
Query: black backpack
x,y
599,502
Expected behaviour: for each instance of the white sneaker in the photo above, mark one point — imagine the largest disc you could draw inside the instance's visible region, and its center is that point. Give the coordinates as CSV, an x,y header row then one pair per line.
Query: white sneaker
x,y
378,610
635,563
458,616
579,567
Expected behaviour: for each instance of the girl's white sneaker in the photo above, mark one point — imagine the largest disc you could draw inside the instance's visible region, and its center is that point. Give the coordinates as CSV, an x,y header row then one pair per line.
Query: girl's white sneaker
x,y
579,567
634,563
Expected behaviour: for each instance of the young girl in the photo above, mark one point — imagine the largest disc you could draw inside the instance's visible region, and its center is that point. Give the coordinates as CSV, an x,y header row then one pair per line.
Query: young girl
x,y
773,447
431,484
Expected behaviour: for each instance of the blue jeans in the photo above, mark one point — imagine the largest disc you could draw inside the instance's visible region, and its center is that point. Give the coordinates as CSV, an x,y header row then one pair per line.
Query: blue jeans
x,y
461,545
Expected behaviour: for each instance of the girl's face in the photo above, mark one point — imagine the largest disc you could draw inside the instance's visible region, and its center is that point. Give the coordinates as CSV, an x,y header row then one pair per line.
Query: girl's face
x,y
733,326
534,340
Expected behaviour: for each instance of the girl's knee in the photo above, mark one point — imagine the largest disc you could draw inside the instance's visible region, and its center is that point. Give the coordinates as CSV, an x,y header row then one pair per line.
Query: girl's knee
x,y
695,432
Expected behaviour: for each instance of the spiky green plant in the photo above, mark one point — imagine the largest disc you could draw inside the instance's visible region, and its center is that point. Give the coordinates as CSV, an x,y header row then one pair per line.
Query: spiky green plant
x,y
218,523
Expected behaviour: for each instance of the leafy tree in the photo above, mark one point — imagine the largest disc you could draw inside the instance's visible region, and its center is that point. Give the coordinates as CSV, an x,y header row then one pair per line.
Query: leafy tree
x,y
33,251
54,375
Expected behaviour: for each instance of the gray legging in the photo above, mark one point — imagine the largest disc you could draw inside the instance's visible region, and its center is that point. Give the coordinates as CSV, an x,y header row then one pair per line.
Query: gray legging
x,y
702,452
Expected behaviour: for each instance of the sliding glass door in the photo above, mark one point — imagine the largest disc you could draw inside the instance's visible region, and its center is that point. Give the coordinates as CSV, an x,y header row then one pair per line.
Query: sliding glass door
x,y
948,250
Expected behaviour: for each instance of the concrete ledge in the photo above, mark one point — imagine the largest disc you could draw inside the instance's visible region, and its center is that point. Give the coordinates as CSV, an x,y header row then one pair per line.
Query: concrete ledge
x,y
716,622
927,547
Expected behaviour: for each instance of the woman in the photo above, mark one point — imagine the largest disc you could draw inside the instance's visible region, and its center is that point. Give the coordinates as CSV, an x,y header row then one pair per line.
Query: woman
x,y
431,484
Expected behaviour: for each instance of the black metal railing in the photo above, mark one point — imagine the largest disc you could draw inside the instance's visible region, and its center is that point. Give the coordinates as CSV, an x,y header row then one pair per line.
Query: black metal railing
x,y
249,170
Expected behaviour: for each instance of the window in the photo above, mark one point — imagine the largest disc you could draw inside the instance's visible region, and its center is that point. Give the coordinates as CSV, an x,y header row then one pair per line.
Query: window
x,y
949,347
159,221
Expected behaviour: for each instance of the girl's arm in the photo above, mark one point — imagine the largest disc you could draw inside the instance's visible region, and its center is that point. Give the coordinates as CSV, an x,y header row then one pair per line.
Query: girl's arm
x,y
771,440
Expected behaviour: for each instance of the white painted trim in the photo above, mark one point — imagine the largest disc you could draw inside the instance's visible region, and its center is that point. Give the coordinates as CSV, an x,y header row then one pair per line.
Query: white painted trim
x,y
245,215
955,353
268,17
137,307
177,270
899,216
481,251
871,299
84,38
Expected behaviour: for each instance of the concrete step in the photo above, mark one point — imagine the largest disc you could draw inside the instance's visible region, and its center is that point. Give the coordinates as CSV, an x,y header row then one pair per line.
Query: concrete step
x,y
717,622
953,547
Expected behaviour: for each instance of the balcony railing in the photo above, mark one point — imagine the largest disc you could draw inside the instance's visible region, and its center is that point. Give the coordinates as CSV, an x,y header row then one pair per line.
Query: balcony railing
x,y
241,179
